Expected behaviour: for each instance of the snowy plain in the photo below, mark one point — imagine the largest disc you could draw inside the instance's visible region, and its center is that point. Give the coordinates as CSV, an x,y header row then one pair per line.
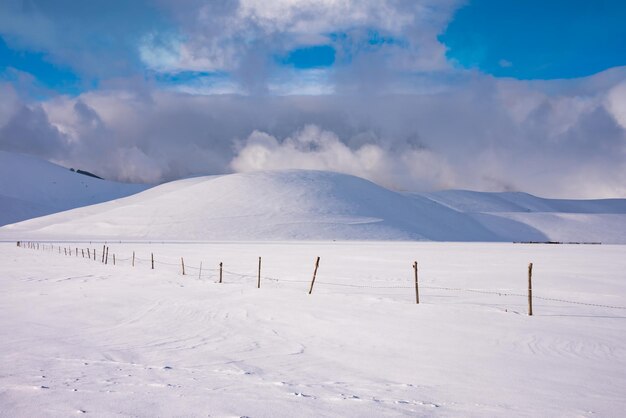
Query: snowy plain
x,y
79,336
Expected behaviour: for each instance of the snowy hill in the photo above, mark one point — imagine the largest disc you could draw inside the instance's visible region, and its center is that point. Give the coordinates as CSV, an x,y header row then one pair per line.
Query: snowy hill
x,y
469,201
31,187
265,205
316,205
515,216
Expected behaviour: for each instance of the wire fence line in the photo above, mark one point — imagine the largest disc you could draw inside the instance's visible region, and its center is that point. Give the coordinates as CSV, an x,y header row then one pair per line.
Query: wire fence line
x,y
215,273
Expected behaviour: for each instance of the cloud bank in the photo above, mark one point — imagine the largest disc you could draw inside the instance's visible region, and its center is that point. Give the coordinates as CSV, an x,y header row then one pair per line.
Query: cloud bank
x,y
315,149
567,140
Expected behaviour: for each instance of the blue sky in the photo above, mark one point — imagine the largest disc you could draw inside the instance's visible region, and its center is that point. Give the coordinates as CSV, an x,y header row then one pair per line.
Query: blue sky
x,y
531,39
401,92
538,39
55,78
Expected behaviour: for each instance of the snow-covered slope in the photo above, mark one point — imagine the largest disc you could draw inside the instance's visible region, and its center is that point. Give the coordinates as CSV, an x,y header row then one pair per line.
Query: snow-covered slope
x,y
31,187
311,205
515,216
292,204
469,201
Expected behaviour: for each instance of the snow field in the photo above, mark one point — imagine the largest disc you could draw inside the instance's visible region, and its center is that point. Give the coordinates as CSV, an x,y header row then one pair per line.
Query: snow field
x,y
77,335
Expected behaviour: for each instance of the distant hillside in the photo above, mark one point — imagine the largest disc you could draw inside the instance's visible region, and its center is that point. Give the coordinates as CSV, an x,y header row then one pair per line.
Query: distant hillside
x,y
317,205
31,187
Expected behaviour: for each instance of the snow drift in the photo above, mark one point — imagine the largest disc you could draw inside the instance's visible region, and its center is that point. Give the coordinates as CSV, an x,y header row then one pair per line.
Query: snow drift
x,y
31,187
318,205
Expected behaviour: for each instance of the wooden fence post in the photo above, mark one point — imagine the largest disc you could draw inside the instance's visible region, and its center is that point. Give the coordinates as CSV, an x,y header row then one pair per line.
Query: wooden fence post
x,y
182,263
417,292
113,258
317,264
258,283
152,258
530,289
88,253
200,271
103,248
133,259
220,272
106,258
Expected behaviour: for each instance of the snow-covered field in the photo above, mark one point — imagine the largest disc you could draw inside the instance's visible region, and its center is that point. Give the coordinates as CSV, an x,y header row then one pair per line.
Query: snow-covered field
x,y
115,340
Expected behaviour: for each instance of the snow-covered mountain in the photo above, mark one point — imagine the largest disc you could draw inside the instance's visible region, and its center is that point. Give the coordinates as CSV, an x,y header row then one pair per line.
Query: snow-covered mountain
x,y
317,205
31,187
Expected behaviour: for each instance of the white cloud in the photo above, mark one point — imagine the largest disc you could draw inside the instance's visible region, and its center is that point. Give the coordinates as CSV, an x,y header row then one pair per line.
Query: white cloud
x,y
8,104
304,82
161,53
317,16
616,103
317,149
232,38
552,139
